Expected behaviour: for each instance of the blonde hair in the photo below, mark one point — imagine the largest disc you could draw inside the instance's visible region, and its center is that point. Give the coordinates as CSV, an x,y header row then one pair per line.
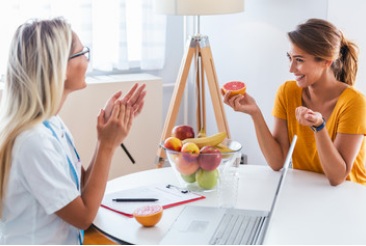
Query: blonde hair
x,y
323,40
34,82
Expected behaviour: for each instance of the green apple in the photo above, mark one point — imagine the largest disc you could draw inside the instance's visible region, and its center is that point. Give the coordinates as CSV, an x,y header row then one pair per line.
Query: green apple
x,y
207,179
189,178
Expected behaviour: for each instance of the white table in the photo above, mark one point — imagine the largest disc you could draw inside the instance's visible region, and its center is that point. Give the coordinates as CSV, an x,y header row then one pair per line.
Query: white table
x,y
309,210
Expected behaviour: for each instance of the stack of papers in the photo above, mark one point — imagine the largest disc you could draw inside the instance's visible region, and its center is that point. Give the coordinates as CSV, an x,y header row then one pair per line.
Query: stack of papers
x,y
167,197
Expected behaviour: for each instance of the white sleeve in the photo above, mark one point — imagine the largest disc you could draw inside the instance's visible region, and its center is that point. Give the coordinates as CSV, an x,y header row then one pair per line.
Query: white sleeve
x,y
46,172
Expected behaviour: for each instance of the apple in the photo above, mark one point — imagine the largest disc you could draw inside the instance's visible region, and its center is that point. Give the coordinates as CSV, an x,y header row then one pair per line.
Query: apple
x,y
207,179
190,151
185,166
182,132
209,158
173,143
189,178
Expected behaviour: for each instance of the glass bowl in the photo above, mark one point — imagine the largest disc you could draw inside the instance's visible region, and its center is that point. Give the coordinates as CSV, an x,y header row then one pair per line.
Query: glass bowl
x,y
202,171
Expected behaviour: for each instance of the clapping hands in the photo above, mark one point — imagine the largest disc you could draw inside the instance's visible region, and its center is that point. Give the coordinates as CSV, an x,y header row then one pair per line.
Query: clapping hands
x,y
115,120
134,98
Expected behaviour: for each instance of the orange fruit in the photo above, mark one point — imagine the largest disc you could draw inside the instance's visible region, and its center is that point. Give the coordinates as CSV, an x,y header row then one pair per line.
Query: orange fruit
x,y
235,88
148,215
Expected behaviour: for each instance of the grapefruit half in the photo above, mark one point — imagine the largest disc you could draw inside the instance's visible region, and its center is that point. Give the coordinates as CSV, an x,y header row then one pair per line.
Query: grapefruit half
x,y
235,88
148,215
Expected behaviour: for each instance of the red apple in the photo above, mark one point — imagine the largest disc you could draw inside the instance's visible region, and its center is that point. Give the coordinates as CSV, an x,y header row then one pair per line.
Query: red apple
x,y
209,158
182,132
173,143
190,151
184,166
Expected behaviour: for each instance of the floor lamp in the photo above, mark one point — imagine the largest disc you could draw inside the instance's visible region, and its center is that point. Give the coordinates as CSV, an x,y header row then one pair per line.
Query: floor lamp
x,y
197,50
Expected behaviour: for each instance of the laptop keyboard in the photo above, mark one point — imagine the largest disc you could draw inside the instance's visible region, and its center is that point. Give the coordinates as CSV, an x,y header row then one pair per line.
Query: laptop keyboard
x,y
236,229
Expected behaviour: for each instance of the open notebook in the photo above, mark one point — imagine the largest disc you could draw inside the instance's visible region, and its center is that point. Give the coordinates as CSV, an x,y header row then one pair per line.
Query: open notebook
x,y
167,195
213,225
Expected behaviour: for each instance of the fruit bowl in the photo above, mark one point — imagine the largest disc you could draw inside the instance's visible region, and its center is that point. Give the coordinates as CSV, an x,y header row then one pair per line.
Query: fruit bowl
x,y
201,171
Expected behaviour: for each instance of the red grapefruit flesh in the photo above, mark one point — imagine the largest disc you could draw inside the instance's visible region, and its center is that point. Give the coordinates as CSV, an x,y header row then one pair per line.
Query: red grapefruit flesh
x,y
235,88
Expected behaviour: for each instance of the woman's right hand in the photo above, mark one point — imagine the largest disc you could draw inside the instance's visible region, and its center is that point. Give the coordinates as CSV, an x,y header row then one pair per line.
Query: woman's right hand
x,y
114,130
135,97
241,103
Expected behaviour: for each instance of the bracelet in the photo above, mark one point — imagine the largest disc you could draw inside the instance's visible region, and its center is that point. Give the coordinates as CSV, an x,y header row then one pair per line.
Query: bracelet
x,y
318,128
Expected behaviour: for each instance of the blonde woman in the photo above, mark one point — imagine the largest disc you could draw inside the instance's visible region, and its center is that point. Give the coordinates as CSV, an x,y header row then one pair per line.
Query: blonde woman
x,y
320,105
46,195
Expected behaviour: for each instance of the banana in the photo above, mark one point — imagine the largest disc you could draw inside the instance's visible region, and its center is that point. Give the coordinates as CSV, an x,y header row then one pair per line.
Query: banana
x,y
201,133
211,140
223,148
225,151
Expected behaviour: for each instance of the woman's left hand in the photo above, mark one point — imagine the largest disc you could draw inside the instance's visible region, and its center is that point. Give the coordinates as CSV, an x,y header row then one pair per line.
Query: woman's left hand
x,y
113,131
307,117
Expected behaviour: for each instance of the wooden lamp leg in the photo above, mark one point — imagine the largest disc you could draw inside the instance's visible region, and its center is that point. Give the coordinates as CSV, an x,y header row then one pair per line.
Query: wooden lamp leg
x,y
202,118
199,48
213,86
176,99
198,87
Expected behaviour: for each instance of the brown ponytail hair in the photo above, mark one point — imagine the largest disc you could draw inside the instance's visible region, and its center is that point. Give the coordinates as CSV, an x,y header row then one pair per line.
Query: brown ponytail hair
x,y
323,40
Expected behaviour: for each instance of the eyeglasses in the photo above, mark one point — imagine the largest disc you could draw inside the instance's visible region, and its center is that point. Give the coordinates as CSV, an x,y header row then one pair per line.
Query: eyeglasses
x,y
85,51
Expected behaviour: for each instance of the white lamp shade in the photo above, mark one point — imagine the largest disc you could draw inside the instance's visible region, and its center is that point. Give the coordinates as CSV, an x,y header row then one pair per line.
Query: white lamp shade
x,y
198,7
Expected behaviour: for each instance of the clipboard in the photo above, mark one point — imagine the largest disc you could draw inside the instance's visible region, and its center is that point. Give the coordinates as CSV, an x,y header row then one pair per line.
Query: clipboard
x,y
168,197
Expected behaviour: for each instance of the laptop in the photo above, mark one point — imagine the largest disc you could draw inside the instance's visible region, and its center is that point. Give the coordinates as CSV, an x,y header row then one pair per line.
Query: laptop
x,y
201,225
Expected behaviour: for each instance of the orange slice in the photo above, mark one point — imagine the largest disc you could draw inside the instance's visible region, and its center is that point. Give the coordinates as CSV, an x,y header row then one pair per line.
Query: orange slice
x,y
148,215
235,88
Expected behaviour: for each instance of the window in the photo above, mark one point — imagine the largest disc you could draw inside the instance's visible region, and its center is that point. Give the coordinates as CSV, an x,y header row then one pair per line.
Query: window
x,y
122,34
134,29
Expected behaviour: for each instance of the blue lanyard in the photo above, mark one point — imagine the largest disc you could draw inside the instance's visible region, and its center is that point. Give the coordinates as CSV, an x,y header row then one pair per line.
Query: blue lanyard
x,y
47,124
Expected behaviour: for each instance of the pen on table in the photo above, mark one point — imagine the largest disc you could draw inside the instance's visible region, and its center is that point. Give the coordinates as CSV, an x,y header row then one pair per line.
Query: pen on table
x,y
135,199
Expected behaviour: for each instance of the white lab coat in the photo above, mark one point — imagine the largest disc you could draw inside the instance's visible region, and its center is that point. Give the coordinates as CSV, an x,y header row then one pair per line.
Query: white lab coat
x,y
40,183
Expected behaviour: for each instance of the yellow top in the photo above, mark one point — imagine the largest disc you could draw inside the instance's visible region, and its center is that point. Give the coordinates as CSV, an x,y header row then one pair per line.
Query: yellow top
x,y
348,116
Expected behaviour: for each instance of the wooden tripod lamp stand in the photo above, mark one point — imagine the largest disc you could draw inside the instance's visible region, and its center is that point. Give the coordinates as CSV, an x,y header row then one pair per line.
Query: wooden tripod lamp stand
x,y
197,50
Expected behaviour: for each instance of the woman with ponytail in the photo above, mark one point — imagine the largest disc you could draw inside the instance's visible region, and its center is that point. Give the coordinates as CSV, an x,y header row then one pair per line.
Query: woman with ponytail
x,y
47,197
320,105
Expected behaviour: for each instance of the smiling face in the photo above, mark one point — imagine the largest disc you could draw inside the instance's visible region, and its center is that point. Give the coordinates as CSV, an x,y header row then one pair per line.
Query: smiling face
x,y
76,67
307,69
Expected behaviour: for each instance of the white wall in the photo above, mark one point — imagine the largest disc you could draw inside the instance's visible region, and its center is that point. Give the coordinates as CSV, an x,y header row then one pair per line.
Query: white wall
x,y
251,46
350,17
